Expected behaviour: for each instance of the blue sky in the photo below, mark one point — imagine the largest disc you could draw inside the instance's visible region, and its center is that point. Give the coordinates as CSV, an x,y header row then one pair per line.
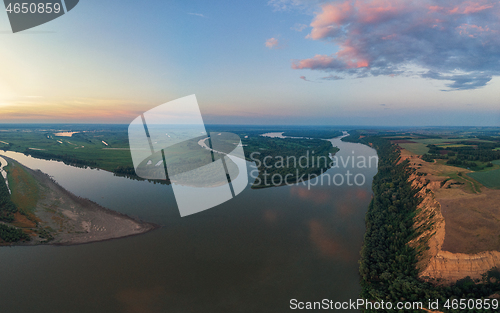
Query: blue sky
x,y
108,61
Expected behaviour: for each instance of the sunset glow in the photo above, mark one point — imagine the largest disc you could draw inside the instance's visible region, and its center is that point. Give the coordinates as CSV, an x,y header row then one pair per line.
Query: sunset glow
x,y
303,62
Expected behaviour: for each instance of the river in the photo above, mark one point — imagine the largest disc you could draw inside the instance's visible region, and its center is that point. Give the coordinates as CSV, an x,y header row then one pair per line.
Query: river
x,y
253,253
3,163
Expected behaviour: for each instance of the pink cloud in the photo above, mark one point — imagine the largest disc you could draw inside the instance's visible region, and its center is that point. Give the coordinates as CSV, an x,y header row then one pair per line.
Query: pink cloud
x,y
272,43
377,10
351,56
465,7
435,8
331,17
348,58
476,7
318,61
384,37
334,15
472,30
389,37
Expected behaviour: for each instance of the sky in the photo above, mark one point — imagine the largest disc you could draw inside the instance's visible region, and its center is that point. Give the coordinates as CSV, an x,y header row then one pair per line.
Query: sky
x,y
354,62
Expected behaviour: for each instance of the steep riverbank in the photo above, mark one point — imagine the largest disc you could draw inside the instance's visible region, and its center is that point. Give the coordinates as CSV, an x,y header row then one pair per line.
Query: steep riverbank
x,y
59,217
437,265
404,235
463,223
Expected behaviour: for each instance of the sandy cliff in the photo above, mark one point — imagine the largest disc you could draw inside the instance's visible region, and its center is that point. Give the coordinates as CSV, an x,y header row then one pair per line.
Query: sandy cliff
x,y
435,264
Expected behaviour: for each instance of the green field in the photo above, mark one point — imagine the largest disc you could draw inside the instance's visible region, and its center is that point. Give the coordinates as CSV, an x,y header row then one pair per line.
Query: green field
x,y
82,146
416,148
452,146
436,141
443,141
490,179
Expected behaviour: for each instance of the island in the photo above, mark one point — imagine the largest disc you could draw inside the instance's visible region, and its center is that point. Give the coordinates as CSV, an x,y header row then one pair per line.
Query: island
x,y
35,210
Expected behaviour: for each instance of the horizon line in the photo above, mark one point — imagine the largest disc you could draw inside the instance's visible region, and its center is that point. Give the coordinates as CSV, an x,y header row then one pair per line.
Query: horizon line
x,y
276,125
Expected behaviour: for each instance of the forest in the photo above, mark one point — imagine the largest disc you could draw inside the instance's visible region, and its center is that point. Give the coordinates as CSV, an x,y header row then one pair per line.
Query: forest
x,y
7,207
465,154
67,159
267,153
7,210
11,234
314,133
388,264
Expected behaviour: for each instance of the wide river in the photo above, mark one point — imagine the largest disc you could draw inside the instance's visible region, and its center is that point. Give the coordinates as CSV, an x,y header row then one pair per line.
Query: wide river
x,y
253,253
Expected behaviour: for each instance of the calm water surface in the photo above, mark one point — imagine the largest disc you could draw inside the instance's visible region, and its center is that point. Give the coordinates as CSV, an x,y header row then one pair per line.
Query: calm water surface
x,y
251,254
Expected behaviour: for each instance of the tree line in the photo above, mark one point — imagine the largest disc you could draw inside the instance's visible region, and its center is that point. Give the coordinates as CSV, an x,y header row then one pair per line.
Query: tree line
x,y
466,156
67,159
268,152
7,210
7,207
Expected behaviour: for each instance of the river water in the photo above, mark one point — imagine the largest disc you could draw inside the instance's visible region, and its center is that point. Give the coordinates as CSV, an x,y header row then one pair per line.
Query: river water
x,y
253,253
3,163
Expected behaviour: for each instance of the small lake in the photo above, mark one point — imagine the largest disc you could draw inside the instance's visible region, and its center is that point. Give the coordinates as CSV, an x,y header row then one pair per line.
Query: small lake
x,y
65,134
253,253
